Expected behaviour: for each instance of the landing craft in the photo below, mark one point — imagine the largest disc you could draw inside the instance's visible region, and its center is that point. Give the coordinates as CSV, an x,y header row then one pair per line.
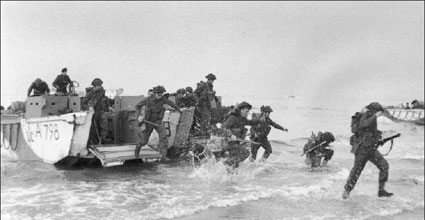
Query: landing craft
x,y
55,130
413,115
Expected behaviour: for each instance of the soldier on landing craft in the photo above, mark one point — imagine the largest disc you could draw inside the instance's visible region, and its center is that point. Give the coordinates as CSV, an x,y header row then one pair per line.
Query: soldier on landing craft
x,y
205,94
96,98
61,82
39,87
153,112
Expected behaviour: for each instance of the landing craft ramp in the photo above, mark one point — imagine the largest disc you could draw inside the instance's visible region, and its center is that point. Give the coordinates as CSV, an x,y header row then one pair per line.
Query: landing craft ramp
x,y
124,133
115,155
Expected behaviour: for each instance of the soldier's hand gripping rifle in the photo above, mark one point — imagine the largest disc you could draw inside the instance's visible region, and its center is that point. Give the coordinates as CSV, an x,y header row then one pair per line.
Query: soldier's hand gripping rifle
x,y
313,148
383,141
141,118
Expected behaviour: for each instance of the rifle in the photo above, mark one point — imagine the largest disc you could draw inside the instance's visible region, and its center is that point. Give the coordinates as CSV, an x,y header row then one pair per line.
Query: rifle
x,y
314,148
148,122
247,141
383,141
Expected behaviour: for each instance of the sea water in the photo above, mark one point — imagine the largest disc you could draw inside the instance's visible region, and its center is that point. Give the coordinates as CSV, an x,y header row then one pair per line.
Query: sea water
x,y
283,187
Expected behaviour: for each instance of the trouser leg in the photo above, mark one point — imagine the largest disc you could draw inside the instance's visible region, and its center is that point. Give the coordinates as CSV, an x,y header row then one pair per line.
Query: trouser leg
x,y
143,139
163,141
103,125
93,135
205,118
328,154
383,167
237,154
254,150
267,148
359,163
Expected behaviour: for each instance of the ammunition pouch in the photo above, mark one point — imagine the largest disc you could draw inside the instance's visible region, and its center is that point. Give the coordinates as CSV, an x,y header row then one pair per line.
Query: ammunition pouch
x,y
354,142
245,131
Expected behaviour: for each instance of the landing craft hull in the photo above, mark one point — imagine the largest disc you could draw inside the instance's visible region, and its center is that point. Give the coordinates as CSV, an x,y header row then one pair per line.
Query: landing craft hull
x,y
48,139
415,116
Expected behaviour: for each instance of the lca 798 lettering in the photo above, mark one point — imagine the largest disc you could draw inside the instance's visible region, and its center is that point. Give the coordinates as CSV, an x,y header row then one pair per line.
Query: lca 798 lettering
x,y
44,131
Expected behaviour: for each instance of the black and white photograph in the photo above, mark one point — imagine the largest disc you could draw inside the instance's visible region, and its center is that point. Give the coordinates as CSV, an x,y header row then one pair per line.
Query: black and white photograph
x,y
212,110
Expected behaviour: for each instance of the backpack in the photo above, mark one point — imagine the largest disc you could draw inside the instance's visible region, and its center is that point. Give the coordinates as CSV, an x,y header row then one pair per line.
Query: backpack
x,y
355,122
355,128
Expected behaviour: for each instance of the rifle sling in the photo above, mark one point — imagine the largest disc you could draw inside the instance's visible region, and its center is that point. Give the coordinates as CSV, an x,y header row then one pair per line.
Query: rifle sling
x,y
391,147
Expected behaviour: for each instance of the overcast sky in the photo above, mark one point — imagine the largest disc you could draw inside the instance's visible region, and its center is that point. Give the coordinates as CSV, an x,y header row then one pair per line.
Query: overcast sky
x,y
321,51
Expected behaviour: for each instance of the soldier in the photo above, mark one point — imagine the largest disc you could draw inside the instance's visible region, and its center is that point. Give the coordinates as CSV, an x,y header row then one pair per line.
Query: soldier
x,y
181,100
364,142
96,99
153,108
205,94
190,97
189,90
259,133
40,88
319,145
61,82
234,127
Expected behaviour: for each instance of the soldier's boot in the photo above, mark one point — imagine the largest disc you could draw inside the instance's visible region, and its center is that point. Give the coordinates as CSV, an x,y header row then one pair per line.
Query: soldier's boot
x,y
345,195
164,155
137,150
105,140
383,193
252,157
264,157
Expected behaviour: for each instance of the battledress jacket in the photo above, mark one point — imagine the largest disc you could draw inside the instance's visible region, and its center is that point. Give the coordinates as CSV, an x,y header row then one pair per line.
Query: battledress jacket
x,y
264,127
61,82
96,99
204,93
40,89
235,125
154,108
368,133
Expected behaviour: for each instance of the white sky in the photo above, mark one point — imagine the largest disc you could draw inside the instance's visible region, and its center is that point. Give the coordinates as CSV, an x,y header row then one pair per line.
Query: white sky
x,y
322,51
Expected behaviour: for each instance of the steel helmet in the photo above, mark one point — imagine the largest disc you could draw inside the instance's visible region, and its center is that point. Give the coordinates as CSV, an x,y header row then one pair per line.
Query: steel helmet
x,y
211,76
244,105
158,89
266,109
97,82
181,91
375,106
328,136
189,89
38,80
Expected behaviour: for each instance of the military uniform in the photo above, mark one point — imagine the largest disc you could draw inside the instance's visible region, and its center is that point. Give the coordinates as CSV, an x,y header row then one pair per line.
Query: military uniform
x,y
190,100
205,94
181,99
61,82
366,139
322,139
96,98
259,134
235,125
154,112
40,88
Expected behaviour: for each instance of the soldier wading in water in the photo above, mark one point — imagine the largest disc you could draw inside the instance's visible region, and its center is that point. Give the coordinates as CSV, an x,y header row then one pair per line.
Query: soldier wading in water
x,y
234,128
364,146
260,132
